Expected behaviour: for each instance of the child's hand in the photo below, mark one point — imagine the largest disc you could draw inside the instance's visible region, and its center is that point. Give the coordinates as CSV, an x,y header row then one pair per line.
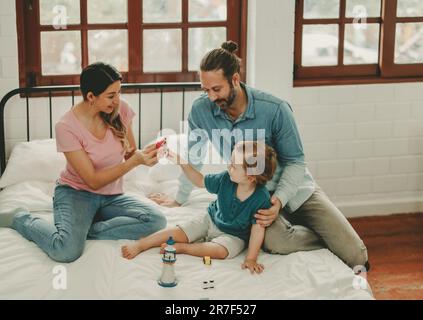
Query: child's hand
x,y
253,266
175,158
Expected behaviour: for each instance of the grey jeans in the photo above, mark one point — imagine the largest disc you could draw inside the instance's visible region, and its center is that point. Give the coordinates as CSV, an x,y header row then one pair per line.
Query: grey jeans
x,y
315,225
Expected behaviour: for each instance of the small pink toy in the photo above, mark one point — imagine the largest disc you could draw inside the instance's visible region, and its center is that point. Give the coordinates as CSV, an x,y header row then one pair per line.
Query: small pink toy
x,y
161,143
163,150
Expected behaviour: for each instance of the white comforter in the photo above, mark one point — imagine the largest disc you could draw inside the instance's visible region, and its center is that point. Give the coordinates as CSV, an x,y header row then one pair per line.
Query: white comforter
x,y
101,273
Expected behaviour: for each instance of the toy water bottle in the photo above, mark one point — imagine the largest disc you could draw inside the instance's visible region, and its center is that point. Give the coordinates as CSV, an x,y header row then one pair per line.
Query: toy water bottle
x,y
168,278
162,151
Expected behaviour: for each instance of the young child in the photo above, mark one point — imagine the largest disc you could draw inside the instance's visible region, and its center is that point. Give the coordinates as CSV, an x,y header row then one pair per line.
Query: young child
x,y
229,224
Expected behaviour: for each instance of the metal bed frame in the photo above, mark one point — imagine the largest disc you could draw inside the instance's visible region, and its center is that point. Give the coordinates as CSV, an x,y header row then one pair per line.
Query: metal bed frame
x,y
139,89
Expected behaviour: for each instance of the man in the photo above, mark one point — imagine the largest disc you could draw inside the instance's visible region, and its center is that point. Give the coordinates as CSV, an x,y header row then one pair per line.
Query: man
x,y
301,217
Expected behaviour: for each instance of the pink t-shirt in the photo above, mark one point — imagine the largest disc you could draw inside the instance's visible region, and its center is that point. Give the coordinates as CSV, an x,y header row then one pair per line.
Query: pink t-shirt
x,y
72,135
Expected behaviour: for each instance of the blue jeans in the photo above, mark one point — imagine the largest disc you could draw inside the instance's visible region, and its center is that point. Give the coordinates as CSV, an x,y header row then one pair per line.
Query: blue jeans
x,y
79,215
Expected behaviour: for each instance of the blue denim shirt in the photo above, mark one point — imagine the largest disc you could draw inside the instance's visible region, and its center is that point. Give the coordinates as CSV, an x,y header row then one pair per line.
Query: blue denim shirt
x,y
266,118
230,214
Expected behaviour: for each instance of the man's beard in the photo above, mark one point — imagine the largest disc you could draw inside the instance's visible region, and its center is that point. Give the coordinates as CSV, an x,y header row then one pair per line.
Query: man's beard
x,y
225,104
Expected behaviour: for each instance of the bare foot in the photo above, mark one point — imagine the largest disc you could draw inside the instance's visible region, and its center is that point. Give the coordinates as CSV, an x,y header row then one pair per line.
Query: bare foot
x,y
130,251
178,247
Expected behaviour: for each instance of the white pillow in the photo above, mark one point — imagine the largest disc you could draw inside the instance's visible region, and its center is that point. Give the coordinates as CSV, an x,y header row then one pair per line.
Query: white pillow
x,y
35,160
165,170
38,160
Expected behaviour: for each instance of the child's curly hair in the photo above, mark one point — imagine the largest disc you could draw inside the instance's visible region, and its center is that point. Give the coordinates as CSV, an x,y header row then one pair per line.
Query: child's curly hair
x,y
252,150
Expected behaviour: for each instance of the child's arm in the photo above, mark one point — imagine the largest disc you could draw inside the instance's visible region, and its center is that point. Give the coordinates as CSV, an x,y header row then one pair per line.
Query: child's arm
x,y
256,240
192,174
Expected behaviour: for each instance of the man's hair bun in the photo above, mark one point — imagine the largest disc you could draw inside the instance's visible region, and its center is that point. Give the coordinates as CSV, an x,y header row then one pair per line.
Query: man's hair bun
x,y
230,46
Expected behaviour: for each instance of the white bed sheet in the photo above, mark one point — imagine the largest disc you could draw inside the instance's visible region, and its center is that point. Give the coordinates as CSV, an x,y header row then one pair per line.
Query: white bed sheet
x,y
101,273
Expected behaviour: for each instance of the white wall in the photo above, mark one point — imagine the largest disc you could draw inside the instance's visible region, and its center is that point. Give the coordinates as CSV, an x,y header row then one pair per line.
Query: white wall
x,y
363,144
271,46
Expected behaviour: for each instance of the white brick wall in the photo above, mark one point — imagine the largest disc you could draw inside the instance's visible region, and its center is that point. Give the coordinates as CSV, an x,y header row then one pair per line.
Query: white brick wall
x,y
415,146
373,147
371,167
363,143
354,112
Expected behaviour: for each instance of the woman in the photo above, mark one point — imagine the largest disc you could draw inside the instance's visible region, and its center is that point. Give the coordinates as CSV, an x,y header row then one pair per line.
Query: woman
x,y
95,137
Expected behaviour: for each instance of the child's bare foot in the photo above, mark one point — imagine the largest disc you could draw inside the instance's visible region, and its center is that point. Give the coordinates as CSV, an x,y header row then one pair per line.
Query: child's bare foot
x,y
178,247
130,251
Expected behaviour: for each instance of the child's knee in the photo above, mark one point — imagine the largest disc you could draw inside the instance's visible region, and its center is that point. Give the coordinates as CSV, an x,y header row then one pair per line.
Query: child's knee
x,y
182,235
222,253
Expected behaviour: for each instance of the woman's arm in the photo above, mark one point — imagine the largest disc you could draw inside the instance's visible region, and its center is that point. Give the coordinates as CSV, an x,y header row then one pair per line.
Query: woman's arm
x,y
256,241
97,179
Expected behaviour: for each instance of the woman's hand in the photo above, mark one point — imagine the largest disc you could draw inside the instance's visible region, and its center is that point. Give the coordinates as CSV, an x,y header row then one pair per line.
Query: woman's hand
x,y
253,266
163,200
147,156
266,217
129,153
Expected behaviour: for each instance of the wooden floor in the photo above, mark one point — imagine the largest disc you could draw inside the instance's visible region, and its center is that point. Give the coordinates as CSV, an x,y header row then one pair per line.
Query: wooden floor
x,y
395,247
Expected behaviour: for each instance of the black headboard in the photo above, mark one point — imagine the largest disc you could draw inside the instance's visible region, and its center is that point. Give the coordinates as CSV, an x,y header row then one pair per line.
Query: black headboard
x,y
139,89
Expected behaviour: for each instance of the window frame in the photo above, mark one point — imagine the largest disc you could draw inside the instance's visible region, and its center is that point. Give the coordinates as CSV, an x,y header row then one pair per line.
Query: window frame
x,y
385,71
29,42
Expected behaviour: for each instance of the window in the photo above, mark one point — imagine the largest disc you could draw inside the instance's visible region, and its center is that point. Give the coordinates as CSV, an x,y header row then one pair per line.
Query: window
x,y
147,40
358,41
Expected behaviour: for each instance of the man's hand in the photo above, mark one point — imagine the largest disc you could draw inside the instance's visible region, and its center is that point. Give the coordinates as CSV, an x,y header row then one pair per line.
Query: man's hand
x,y
164,200
266,217
253,266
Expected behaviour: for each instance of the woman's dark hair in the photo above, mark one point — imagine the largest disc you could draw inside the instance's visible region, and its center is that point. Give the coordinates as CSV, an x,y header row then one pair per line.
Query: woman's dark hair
x,y
97,77
223,58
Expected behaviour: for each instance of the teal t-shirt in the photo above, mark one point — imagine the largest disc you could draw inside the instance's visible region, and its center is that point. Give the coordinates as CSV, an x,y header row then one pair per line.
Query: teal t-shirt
x,y
229,214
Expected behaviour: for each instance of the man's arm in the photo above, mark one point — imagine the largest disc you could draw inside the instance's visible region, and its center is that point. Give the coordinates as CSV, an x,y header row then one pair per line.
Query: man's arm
x,y
290,153
289,149
196,152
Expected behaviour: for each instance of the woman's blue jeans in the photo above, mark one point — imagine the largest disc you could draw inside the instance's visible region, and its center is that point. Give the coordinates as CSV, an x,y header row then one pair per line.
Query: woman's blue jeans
x,y
79,215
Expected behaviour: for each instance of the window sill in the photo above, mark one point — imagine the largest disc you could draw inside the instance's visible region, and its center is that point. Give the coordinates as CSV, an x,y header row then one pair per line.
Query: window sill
x,y
352,81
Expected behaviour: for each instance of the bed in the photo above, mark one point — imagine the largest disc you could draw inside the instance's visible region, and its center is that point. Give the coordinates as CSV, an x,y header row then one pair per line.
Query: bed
x,y
101,273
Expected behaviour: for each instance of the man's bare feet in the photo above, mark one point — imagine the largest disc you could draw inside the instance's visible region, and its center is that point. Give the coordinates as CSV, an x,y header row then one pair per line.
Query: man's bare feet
x,y
130,251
